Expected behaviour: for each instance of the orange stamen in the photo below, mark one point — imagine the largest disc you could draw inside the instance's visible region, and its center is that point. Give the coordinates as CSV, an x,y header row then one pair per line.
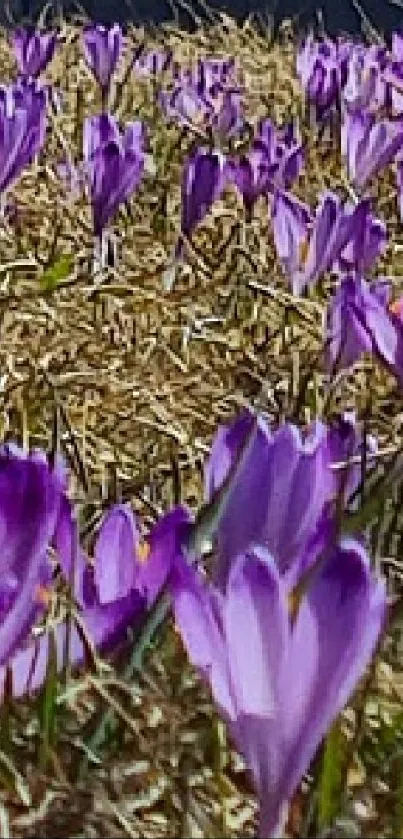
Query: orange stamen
x,y
43,596
303,251
397,307
293,604
143,551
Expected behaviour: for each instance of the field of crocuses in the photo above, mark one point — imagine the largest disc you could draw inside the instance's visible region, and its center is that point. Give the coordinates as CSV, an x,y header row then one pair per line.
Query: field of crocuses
x,y
201,408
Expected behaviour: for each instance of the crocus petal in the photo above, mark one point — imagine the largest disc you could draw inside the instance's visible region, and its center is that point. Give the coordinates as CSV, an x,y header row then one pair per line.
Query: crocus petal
x,y
33,51
238,530
114,165
115,554
165,545
30,496
347,336
253,591
328,234
367,238
279,472
291,220
22,129
369,145
203,180
334,636
197,613
358,322
98,132
102,49
65,540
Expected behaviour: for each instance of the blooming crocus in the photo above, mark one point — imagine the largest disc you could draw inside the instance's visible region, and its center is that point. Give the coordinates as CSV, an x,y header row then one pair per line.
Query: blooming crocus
x,y
319,70
102,49
366,87
360,321
206,99
369,144
207,74
204,178
339,236
220,112
22,130
33,51
114,165
280,680
368,239
112,593
281,469
274,160
30,498
276,471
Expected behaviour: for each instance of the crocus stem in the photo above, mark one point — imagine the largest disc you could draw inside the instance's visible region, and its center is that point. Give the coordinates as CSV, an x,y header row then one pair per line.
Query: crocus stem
x,y
154,620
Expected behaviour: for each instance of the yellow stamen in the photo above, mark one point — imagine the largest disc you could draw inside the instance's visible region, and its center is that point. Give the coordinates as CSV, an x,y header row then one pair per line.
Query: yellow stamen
x,y
143,551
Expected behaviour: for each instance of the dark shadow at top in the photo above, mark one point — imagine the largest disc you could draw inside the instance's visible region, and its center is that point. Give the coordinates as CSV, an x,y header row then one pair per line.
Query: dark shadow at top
x,y
338,15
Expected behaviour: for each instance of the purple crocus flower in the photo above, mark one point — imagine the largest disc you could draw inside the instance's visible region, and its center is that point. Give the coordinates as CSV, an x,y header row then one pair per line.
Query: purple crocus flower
x,y
319,70
22,129
339,236
204,178
33,51
369,144
220,112
207,74
114,165
360,321
102,49
30,498
112,593
367,241
366,87
274,160
206,99
279,680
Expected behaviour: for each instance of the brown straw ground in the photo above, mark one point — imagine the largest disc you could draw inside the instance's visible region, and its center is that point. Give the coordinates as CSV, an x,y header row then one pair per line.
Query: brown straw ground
x,y
130,383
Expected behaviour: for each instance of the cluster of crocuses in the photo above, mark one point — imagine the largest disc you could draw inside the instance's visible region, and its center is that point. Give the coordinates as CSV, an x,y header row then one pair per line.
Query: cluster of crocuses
x,y
345,73
282,632
205,99
273,162
363,81
365,85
